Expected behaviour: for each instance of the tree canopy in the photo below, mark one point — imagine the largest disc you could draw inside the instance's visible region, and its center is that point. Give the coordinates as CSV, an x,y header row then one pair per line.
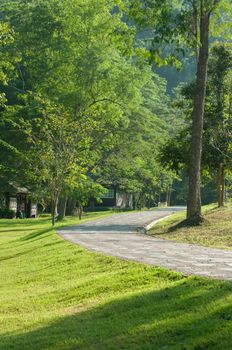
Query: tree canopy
x,y
83,105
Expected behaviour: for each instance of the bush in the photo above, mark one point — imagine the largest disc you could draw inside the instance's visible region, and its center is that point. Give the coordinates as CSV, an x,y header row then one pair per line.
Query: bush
x,y
97,209
6,213
45,215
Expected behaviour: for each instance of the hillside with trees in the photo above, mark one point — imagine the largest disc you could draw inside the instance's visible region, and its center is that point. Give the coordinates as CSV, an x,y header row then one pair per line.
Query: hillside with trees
x,y
85,105
116,174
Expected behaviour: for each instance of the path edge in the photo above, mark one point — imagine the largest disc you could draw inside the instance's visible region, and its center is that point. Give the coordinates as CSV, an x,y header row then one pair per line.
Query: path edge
x,y
144,229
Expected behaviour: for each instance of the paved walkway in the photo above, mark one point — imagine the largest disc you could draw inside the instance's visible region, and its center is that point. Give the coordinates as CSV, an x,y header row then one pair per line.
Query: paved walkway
x,y
118,235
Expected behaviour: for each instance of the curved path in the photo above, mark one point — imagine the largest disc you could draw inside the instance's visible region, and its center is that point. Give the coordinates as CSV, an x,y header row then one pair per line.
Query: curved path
x,y
120,235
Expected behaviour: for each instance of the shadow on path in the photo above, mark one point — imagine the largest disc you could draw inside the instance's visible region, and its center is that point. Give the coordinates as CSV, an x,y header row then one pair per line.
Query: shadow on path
x,y
101,228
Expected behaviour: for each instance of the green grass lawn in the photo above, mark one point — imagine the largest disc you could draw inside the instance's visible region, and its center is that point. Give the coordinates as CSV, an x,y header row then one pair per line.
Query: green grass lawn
x,y
216,232
57,296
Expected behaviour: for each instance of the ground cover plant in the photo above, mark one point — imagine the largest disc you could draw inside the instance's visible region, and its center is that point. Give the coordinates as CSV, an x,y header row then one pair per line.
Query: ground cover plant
x,y
55,295
216,231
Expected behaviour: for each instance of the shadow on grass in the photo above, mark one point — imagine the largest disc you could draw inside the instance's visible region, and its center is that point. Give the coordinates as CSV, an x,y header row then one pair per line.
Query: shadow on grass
x,y
18,230
179,317
187,223
23,222
28,251
36,234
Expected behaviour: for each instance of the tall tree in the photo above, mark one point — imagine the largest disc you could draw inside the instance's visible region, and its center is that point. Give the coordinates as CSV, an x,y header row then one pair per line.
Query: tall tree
x,y
219,115
76,55
6,38
132,164
217,122
194,197
183,25
7,61
57,147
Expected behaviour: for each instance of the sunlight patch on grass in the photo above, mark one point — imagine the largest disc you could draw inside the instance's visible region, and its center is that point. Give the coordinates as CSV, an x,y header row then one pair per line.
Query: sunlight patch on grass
x,y
216,232
56,295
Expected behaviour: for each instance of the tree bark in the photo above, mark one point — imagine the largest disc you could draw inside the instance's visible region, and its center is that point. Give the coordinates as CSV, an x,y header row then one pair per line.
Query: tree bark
x,y
62,204
194,196
195,28
54,203
221,185
169,196
80,211
71,206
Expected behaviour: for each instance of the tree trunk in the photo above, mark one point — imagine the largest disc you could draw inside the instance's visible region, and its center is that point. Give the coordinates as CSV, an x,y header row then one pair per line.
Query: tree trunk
x,y
55,197
71,206
194,196
221,185
62,204
80,211
169,196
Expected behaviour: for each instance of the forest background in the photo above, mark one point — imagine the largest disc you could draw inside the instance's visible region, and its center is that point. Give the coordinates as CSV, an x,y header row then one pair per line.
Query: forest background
x,y
98,93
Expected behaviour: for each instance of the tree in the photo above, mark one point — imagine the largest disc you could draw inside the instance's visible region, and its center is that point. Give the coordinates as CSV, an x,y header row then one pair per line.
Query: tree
x,y
185,24
85,190
194,197
219,115
76,64
58,147
132,164
217,125
7,60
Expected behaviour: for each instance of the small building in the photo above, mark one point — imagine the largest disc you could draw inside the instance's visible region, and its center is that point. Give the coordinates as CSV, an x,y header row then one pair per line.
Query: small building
x,y
114,198
19,201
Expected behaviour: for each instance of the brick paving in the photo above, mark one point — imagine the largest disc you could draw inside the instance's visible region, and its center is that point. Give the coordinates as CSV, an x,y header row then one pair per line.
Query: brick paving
x,y
118,235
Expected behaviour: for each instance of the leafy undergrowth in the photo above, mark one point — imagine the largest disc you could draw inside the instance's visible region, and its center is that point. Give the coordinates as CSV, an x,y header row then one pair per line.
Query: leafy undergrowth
x,y
57,296
215,232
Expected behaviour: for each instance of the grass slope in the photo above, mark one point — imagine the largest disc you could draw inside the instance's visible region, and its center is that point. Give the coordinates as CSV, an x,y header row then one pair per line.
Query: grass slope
x,y
57,296
216,232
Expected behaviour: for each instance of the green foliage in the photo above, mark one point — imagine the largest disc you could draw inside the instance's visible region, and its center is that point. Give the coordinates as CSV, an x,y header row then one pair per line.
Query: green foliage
x,y
86,189
6,38
217,122
77,74
176,24
132,165
6,213
82,102
7,61
58,146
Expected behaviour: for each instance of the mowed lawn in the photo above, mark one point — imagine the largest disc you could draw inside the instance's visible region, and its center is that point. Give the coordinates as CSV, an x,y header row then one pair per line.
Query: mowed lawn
x,y
215,232
55,295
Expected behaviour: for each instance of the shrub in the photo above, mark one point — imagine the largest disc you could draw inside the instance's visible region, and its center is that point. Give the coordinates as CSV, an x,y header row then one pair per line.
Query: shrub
x,y
6,213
